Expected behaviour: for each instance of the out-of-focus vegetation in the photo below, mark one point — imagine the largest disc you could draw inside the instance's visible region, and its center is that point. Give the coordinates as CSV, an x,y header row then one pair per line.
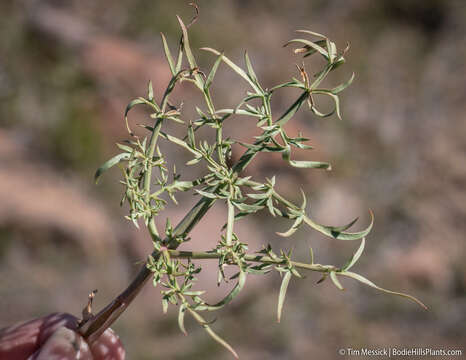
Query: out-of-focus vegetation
x,y
67,71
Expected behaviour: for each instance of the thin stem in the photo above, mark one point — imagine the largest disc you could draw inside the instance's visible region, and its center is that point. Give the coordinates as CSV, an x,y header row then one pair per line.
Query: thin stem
x,y
254,258
148,174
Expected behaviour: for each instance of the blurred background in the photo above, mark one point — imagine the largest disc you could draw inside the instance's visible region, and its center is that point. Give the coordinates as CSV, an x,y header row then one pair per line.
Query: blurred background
x,y
68,70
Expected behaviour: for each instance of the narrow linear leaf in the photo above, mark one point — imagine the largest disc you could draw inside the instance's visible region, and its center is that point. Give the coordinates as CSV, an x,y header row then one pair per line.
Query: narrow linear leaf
x,y
179,142
150,91
209,330
304,164
282,294
332,231
355,256
126,148
231,295
168,55
164,305
211,76
251,73
235,68
365,281
292,109
345,227
230,222
320,114
295,83
249,208
189,55
109,163
343,86
311,33
311,44
311,255
238,112
206,194
258,196
181,313
335,280
334,97
319,77
135,102
293,228
308,51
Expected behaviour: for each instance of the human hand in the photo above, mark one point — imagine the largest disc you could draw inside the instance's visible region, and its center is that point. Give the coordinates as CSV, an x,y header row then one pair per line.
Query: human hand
x,y
55,337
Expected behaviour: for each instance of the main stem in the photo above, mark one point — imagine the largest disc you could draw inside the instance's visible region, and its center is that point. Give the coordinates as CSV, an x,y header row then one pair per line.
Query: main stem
x,y
94,327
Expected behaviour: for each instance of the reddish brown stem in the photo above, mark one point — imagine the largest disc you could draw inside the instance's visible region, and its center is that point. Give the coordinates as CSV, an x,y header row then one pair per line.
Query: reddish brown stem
x,y
94,327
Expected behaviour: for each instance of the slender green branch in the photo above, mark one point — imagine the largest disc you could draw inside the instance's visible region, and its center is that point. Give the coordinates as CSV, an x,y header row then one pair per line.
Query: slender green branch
x,y
263,259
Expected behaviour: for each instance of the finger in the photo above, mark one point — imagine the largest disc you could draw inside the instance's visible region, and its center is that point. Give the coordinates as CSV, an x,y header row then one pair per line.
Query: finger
x,y
64,344
55,321
22,340
108,347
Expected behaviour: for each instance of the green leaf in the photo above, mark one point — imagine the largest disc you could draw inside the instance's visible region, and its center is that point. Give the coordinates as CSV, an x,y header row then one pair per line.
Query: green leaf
x,y
231,295
345,227
293,228
336,233
207,194
311,255
321,76
211,76
292,109
181,313
355,256
312,50
189,55
295,83
343,86
334,97
126,148
164,305
179,142
320,114
237,112
194,161
168,55
249,208
251,73
109,163
331,48
135,102
335,280
365,281
304,164
230,222
235,68
312,45
258,196
150,91
282,294
209,330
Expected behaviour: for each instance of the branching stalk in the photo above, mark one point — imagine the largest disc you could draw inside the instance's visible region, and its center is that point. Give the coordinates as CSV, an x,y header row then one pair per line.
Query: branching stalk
x,y
175,270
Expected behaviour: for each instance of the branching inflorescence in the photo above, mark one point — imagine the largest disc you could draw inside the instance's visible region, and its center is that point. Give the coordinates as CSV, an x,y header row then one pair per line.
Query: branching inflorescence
x,y
147,180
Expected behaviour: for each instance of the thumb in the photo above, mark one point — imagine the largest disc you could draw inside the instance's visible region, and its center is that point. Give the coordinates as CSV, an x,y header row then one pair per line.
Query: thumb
x,y
64,344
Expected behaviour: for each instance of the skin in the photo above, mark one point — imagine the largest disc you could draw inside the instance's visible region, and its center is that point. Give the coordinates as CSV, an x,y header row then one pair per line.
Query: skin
x,y
55,337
